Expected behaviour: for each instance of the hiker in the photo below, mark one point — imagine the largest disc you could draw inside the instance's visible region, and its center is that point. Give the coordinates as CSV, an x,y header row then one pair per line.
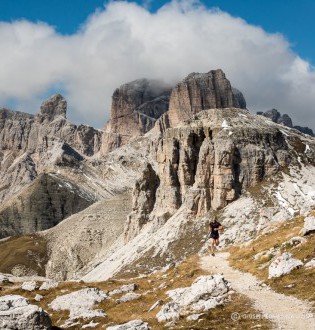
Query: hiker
x,y
214,227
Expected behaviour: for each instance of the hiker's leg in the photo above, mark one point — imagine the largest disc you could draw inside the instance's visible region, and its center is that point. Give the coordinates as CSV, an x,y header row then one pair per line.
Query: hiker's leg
x,y
217,242
212,245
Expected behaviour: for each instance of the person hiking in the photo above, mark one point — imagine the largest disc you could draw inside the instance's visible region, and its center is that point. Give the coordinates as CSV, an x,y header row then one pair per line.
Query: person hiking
x,y
214,227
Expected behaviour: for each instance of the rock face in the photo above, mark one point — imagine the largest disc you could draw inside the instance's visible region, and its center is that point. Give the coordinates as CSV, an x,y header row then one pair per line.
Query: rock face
x,y
135,108
42,205
283,265
201,91
285,120
209,162
17,313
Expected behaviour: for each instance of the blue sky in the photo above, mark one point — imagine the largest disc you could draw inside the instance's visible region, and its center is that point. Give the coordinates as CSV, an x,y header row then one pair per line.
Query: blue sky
x,y
85,49
293,18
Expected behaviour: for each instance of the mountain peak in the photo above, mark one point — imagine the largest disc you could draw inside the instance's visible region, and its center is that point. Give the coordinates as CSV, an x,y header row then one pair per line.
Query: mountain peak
x,y
56,105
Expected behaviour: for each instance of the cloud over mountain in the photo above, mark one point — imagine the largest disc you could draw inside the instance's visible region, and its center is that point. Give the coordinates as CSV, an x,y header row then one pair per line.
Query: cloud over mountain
x,y
125,41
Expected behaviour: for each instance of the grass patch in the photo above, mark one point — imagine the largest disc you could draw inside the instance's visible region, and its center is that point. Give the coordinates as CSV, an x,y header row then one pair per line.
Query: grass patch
x,y
27,250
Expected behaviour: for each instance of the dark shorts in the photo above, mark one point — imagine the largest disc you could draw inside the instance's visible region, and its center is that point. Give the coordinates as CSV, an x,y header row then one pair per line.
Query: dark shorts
x,y
214,236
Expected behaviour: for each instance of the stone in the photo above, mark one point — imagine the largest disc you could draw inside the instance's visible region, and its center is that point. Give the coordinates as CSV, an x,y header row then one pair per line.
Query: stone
x,y
193,317
310,264
201,91
29,286
283,265
205,293
38,297
17,313
132,325
124,288
169,312
5,279
293,242
80,303
309,226
155,305
49,285
128,297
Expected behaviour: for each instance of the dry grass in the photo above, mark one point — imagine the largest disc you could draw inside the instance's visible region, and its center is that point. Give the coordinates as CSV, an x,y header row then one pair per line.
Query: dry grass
x,y
27,250
299,281
180,276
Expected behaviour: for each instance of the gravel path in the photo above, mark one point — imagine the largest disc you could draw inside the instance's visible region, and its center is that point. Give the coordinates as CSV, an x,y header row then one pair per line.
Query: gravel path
x,y
285,311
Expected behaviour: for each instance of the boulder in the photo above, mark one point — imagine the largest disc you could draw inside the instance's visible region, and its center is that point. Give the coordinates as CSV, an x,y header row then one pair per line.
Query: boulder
x,y
309,226
169,312
128,296
206,292
124,288
132,325
17,313
310,264
29,286
49,285
283,265
5,279
80,303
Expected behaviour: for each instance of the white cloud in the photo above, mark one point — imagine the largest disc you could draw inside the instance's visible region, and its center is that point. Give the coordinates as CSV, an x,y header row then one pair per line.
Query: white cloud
x,y
125,42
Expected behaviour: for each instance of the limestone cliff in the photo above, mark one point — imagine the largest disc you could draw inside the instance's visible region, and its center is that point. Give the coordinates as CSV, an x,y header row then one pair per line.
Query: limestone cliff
x,y
42,205
201,91
135,108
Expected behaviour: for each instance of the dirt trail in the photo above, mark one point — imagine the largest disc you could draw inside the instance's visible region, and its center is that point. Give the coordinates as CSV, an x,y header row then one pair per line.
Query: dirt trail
x,y
286,312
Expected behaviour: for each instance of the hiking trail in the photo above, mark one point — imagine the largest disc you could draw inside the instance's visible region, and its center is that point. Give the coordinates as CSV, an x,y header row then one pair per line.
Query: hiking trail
x,y
286,312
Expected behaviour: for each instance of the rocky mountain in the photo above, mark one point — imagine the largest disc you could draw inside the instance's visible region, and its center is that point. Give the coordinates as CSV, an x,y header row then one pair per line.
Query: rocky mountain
x,y
285,120
135,108
201,91
131,206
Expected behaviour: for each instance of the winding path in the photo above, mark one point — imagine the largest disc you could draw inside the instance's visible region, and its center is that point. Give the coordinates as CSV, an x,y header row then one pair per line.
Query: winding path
x,y
286,312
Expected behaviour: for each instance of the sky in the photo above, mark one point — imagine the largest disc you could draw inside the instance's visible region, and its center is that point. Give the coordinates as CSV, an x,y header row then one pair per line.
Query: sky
x,y
86,48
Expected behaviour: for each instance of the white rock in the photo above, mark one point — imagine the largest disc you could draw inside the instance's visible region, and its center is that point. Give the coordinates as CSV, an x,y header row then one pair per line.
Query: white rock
x,y
156,304
17,313
38,297
169,312
132,325
48,285
294,241
205,293
310,264
90,325
193,317
283,265
5,279
309,226
124,288
129,296
29,286
80,303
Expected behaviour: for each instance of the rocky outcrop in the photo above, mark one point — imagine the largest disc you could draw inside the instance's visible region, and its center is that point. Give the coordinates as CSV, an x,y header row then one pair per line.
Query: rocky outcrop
x,y
42,205
283,265
144,198
135,108
17,313
205,293
80,303
284,120
132,325
309,226
201,91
